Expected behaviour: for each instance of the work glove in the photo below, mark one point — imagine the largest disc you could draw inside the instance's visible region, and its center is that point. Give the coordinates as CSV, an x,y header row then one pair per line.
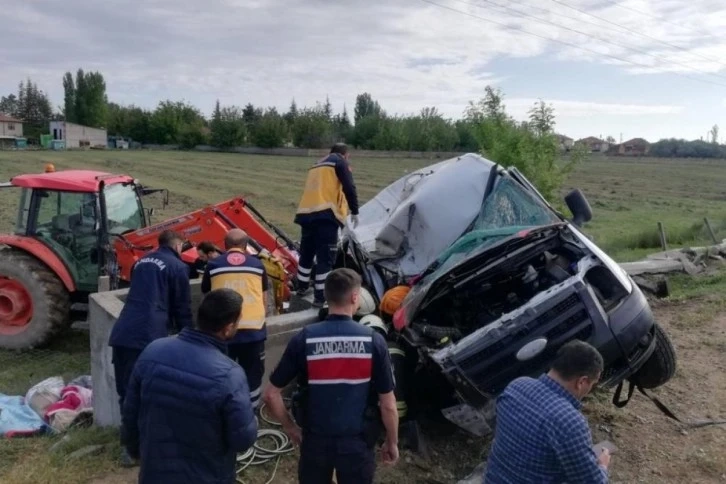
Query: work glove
x,y
354,220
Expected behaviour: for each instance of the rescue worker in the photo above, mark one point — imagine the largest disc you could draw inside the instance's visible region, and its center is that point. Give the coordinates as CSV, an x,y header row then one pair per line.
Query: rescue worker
x,y
206,251
187,412
329,194
245,273
344,372
158,300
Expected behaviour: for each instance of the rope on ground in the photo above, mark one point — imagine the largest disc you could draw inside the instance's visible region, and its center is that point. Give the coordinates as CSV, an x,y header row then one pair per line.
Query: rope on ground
x,y
260,454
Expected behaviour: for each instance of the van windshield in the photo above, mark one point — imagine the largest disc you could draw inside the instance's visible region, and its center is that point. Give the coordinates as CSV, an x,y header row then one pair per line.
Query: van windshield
x,y
509,208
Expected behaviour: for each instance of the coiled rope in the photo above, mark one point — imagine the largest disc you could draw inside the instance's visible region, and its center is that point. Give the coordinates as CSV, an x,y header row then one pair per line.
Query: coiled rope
x,y
260,454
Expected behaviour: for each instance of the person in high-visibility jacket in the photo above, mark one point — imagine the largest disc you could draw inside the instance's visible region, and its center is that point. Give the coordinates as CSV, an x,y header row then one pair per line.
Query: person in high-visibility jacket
x,y
329,195
245,274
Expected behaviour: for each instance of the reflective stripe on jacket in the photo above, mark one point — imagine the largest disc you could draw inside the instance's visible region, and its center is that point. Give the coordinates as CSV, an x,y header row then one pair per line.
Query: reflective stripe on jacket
x,y
329,192
245,274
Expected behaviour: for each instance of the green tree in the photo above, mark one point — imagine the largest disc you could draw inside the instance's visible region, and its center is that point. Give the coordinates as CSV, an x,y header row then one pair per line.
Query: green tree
x,y
9,105
542,118
365,106
714,134
342,129
312,128
270,130
176,123
69,98
33,108
291,114
328,109
531,147
228,127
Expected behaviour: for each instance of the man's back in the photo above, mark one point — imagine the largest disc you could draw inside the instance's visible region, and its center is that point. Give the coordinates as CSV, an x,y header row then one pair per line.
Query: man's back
x,y
191,404
159,294
541,437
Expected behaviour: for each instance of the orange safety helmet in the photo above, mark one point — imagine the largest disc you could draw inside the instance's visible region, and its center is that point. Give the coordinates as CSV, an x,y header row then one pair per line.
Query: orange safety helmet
x,y
393,298
49,168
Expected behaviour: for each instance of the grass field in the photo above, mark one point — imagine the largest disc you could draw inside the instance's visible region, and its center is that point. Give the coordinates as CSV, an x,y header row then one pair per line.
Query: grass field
x,y
628,197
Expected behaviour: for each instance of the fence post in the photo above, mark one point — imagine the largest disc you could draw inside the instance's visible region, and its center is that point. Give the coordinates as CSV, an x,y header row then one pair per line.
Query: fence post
x,y
661,233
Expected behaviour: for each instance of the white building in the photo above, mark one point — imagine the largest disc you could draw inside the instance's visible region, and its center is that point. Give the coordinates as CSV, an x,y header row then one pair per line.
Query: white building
x,y
78,136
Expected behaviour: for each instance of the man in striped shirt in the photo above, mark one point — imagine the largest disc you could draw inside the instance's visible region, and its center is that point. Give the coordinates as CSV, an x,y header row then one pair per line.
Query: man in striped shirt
x,y
346,372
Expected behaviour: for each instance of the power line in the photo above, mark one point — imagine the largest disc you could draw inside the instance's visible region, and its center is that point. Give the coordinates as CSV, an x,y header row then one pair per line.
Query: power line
x,y
618,44
660,19
638,33
569,44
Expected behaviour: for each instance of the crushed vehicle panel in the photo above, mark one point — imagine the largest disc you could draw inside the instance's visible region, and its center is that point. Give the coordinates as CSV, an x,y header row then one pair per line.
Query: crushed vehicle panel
x,y
500,281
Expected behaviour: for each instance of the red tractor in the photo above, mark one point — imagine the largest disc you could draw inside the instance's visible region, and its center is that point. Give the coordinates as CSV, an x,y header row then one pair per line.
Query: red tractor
x,y
76,225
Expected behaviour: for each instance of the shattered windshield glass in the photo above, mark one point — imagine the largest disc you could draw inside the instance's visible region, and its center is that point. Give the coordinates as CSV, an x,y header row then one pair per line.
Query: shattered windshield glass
x,y
508,209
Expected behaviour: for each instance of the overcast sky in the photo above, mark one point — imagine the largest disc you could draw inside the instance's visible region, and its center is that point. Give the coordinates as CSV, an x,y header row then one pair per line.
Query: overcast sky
x,y
650,68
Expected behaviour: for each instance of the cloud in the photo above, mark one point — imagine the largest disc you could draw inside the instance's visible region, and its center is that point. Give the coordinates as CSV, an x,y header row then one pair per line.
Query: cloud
x,y
518,107
406,53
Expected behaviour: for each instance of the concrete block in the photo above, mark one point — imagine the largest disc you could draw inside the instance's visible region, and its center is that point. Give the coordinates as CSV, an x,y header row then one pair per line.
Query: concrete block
x,y
104,309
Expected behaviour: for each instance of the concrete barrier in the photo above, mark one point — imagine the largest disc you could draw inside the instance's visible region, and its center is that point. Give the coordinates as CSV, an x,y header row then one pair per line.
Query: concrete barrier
x,y
103,311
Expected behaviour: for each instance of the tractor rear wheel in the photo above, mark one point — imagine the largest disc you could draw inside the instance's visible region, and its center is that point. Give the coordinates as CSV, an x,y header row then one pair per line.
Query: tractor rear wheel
x,y
34,303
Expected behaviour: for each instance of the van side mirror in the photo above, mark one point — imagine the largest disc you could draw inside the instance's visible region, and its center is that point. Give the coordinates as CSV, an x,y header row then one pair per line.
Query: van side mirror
x,y
579,206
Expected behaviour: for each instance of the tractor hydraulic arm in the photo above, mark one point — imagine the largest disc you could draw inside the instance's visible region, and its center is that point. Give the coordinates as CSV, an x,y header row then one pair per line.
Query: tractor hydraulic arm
x,y
212,224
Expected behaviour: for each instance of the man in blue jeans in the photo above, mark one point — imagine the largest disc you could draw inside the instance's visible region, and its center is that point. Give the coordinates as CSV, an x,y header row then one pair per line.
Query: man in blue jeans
x,y
541,437
329,195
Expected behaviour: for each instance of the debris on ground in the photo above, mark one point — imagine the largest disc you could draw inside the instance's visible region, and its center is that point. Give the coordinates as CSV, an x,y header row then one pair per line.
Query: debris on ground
x,y
49,406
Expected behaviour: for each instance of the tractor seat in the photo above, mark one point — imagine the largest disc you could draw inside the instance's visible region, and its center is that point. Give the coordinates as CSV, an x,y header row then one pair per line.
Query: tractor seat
x,y
62,222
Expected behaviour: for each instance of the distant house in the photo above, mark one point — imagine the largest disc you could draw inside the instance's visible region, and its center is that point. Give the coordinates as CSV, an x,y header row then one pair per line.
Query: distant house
x,y
10,129
77,135
594,145
566,143
634,147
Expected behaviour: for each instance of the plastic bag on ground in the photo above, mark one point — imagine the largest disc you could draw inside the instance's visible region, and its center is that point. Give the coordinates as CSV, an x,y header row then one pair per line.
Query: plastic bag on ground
x,y
17,418
44,394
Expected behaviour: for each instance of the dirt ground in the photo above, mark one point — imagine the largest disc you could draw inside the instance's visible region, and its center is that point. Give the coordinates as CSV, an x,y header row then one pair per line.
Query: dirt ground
x,y
651,447
654,448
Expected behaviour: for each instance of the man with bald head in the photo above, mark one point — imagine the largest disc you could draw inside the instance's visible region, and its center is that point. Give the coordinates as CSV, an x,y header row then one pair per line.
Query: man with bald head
x,y
245,274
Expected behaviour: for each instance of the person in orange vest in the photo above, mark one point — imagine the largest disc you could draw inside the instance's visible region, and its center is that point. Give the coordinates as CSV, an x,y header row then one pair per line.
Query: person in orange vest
x,y
245,274
329,195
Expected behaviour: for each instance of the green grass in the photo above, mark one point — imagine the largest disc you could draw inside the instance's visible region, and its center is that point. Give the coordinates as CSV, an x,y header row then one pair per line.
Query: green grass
x,y
628,197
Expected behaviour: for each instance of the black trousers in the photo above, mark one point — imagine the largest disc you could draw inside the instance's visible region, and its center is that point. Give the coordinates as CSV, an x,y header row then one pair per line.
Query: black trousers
x,y
319,240
251,357
123,360
352,459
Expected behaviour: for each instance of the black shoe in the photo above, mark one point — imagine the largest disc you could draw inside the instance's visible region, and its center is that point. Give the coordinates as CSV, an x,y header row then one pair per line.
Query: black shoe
x,y
303,292
318,304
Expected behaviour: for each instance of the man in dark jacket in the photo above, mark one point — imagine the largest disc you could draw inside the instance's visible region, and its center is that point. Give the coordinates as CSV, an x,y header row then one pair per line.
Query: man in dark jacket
x,y
187,412
159,299
329,194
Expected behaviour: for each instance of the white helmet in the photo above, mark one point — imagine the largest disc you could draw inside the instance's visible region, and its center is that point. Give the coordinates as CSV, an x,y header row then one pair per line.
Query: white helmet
x,y
367,303
373,321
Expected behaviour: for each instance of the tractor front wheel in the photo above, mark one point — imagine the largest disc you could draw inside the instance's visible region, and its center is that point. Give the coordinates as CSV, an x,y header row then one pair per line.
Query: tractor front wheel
x,y
34,303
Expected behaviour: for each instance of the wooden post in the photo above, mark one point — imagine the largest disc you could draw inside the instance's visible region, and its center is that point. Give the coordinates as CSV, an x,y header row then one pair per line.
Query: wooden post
x,y
710,230
661,232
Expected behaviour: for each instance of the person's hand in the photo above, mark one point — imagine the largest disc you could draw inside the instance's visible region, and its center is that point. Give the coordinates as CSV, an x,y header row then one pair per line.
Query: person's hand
x,y
294,432
604,458
354,219
389,452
